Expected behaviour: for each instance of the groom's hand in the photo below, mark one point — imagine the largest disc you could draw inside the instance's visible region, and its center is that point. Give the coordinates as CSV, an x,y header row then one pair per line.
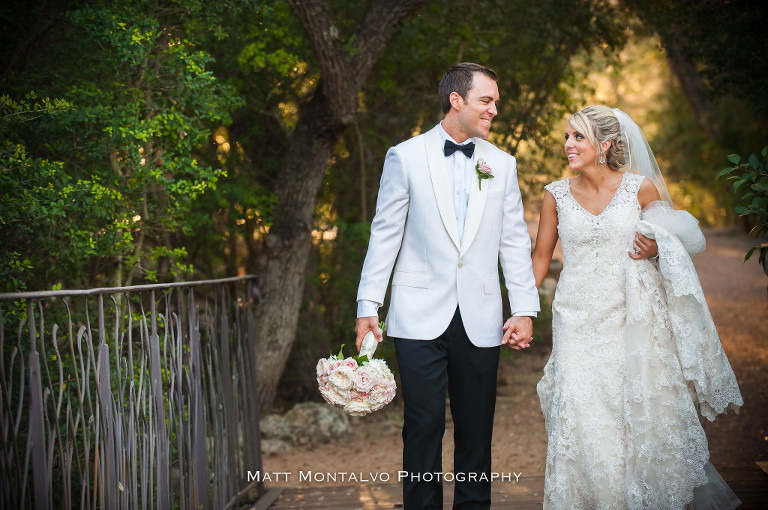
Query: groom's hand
x,y
518,332
365,324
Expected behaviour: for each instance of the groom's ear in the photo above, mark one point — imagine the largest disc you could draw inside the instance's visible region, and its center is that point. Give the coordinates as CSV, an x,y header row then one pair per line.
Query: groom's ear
x,y
456,100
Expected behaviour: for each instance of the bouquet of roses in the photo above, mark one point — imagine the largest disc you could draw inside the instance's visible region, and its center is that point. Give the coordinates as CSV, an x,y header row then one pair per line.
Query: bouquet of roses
x,y
359,384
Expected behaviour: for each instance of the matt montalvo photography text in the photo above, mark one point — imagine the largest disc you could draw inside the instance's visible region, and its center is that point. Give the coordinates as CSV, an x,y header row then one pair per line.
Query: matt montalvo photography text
x,y
378,477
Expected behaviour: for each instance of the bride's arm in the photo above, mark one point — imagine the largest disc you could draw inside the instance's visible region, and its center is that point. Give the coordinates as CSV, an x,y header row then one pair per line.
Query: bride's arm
x,y
647,193
546,238
644,247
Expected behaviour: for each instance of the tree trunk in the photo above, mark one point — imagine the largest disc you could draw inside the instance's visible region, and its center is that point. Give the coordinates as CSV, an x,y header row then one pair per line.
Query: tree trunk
x,y
332,109
668,20
694,88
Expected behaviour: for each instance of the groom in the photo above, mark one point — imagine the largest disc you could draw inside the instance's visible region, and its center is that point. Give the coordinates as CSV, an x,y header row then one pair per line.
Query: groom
x,y
445,231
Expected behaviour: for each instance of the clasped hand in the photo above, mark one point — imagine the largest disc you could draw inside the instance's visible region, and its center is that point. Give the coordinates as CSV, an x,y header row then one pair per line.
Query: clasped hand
x,y
518,332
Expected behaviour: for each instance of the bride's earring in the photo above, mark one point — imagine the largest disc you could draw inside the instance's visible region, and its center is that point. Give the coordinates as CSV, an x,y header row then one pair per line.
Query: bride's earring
x,y
602,159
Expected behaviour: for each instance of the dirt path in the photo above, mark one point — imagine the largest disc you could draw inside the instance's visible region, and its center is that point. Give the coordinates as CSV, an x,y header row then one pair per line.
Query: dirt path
x,y
738,299
737,294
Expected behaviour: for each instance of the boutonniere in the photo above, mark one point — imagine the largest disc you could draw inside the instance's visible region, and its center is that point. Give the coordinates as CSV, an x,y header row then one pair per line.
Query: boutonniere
x,y
483,172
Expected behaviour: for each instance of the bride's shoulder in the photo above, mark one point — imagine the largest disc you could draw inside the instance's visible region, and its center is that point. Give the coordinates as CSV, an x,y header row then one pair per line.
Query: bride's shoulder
x,y
558,188
636,180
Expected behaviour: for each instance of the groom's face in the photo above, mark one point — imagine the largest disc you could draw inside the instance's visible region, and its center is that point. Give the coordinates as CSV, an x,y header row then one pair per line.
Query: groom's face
x,y
476,113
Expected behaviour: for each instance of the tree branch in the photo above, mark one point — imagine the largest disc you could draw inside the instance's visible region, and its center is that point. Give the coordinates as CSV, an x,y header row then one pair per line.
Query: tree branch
x,y
342,73
334,67
380,21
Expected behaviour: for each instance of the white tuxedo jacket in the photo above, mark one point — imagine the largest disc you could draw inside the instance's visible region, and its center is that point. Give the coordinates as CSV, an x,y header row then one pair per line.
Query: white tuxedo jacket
x,y
415,226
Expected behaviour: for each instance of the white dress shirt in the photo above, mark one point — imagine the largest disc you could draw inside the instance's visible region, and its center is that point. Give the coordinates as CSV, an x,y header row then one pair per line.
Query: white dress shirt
x,y
460,174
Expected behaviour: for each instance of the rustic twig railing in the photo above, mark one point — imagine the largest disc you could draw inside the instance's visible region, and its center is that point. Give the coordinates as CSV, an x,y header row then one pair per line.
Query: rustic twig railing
x,y
146,399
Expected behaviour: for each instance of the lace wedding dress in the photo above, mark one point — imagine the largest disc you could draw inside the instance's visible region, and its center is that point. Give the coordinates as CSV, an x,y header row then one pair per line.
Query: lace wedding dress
x,y
622,419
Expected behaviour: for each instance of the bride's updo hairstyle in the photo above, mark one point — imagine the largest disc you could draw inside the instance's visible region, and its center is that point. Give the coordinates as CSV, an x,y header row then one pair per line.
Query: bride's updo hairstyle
x,y
598,124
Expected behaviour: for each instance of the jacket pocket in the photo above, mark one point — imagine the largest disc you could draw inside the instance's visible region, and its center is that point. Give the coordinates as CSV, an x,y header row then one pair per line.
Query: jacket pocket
x,y
492,286
411,279
495,194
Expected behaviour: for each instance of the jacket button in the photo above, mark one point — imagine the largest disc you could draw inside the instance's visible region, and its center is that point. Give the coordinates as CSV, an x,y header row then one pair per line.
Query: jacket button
x,y
461,264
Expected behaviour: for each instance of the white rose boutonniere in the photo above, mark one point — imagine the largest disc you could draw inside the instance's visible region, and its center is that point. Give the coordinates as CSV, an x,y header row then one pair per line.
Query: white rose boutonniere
x,y
483,172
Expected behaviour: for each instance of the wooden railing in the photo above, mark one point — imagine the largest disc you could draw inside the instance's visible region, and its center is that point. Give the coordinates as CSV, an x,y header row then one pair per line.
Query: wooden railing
x,y
129,398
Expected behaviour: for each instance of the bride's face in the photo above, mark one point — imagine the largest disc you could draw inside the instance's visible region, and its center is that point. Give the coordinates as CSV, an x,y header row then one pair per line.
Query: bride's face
x,y
579,151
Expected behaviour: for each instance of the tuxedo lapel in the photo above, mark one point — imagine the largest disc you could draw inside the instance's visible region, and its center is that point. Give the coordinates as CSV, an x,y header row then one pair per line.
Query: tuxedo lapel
x,y
440,184
477,196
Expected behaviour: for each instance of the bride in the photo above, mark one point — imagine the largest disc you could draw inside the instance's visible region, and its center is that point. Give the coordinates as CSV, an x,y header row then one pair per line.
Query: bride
x,y
636,360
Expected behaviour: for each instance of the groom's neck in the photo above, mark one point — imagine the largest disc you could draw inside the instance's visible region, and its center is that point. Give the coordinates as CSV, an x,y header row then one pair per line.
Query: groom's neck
x,y
451,126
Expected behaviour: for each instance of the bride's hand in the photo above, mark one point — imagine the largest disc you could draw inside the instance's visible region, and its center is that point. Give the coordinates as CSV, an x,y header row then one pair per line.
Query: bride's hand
x,y
643,248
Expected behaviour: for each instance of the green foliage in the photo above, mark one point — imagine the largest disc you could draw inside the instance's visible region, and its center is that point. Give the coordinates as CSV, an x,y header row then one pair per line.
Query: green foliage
x,y
750,184
41,202
268,61
98,182
340,356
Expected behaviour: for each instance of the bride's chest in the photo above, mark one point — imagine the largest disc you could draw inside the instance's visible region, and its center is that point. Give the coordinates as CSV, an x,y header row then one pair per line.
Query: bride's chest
x,y
614,227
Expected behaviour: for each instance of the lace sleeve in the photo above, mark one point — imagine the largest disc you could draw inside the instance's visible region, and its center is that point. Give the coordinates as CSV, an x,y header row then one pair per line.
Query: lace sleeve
x,y
559,190
634,181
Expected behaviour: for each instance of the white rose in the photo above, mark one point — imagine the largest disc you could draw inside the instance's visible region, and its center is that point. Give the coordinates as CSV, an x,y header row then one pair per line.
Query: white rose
x,y
357,408
379,395
379,366
335,396
341,377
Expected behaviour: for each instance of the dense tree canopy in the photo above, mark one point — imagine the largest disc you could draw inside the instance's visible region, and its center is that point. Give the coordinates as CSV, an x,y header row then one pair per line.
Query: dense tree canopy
x,y
97,188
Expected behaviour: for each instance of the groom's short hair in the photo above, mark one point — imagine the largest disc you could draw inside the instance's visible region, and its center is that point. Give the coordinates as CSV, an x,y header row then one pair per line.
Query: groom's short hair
x,y
459,79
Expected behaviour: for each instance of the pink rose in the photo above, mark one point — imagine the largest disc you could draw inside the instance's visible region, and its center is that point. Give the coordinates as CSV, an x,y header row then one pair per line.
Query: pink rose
x,y
326,393
381,395
364,379
483,172
322,367
349,362
482,167
378,395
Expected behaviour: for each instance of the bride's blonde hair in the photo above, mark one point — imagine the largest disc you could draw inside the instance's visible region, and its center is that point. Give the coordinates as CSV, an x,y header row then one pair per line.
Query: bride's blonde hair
x,y
599,124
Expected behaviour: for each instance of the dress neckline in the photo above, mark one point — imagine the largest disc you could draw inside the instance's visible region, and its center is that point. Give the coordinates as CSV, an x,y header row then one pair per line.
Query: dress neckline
x,y
613,198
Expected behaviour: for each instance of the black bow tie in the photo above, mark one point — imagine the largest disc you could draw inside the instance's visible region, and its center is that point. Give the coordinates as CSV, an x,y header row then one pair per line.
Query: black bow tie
x,y
450,147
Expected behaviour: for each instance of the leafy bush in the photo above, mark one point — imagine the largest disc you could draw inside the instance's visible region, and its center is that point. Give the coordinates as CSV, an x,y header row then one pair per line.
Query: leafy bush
x,y
750,179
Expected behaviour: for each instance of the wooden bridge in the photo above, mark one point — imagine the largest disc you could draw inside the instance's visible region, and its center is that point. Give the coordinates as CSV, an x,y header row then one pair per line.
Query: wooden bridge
x,y
750,483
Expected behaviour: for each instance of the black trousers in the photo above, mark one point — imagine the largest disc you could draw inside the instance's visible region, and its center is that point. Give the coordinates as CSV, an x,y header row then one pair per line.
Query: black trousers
x,y
471,372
